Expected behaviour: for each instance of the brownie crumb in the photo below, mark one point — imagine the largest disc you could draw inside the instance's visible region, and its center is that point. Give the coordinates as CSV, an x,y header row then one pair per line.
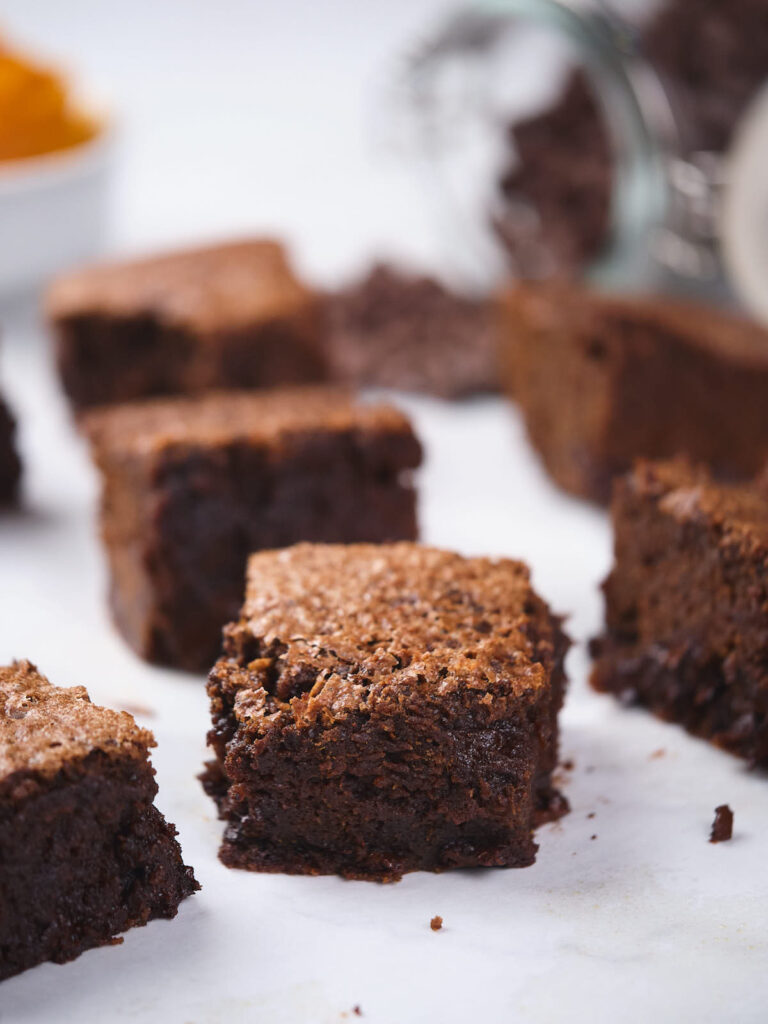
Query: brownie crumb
x,y
722,826
591,814
568,765
357,1011
593,837
661,752
436,923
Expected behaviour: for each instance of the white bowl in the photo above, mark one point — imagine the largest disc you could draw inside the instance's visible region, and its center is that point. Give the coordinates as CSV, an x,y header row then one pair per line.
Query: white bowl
x,y
53,212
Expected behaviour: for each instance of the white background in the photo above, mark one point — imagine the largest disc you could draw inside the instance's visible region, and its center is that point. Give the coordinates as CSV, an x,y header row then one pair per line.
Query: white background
x,y
237,116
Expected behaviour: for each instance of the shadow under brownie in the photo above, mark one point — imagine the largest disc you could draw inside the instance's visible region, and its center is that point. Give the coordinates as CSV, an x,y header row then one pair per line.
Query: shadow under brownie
x,y
687,604
225,316
84,854
383,709
602,380
192,486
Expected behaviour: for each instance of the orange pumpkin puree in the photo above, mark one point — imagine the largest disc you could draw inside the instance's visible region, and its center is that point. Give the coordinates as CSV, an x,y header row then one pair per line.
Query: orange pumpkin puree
x,y
37,114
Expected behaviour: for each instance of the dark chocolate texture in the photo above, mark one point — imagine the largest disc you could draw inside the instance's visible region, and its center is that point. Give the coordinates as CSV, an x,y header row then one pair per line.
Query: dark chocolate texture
x,y
383,709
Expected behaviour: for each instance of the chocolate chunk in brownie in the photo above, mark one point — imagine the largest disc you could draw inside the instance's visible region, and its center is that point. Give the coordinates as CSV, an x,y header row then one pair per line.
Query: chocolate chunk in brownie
x,y
10,467
383,709
398,330
686,604
722,826
193,485
603,380
230,315
84,853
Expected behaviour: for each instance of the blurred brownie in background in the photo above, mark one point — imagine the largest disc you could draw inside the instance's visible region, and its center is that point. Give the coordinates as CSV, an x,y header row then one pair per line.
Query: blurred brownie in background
x,y
383,709
193,485
10,467
686,627
601,380
231,315
84,853
394,329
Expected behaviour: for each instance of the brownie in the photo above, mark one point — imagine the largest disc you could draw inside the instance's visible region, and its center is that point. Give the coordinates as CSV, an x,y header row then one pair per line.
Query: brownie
x,y
686,604
193,485
722,826
231,315
399,330
84,853
602,380
10,468
383,709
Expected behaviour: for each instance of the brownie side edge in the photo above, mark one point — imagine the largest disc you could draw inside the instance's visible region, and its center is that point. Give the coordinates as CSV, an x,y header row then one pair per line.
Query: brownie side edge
x,y
86,856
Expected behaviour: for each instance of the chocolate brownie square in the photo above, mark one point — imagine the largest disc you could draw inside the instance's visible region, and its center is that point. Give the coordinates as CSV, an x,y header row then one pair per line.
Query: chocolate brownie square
x,y
602,380
393,329
231,315
383,709
10,468
84,853
193,485
687,604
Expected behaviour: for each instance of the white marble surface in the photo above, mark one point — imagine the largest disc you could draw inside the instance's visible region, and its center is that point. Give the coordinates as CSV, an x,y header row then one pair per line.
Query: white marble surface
x,y
241,116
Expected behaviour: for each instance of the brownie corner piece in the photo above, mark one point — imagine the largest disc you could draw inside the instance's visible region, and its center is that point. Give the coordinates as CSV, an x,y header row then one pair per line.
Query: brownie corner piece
x,y
686,604
228,315
84,853
10,467
193,485
385,709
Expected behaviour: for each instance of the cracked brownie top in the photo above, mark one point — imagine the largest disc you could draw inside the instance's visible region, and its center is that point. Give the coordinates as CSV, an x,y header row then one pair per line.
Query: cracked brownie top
x,y
44,727
327,629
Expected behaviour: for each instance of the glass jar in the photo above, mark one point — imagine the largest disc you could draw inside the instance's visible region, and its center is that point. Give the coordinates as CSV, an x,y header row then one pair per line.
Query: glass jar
x,y
662,168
